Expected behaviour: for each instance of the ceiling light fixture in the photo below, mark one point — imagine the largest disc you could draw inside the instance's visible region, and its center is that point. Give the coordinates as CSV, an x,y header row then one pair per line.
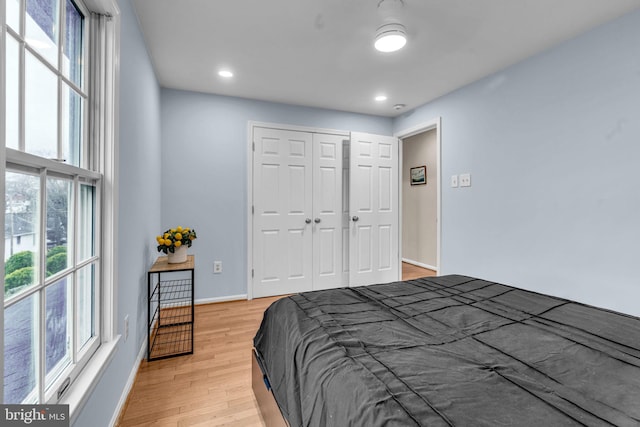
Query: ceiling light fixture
x,y
391,35
381,98
225,73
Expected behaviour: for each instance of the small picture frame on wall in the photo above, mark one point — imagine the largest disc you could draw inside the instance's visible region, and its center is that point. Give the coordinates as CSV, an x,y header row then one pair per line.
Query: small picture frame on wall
x,y
418,175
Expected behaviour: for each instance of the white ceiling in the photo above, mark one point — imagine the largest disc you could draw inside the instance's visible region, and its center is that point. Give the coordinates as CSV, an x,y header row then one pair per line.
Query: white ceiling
x,y
320,52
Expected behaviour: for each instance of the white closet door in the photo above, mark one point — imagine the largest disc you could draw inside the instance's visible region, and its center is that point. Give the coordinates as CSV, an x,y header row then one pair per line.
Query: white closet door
x,y
283,225
373,206
327,211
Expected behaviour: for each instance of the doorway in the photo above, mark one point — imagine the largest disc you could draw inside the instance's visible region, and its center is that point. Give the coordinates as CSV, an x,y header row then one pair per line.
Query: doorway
x,y
420,198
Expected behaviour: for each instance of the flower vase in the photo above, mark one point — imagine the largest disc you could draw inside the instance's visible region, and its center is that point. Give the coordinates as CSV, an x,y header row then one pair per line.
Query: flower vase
x,y
178,256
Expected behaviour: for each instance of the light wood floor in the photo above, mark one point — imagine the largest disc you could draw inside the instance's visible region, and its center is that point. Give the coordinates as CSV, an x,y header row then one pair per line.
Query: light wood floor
x,y
212,387
410,272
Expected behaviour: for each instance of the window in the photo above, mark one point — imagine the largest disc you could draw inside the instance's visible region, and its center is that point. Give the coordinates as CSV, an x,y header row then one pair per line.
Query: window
x,y
54,294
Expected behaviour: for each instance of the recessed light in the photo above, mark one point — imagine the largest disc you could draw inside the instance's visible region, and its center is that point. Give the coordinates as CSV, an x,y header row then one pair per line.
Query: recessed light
x,y
381,98
225,73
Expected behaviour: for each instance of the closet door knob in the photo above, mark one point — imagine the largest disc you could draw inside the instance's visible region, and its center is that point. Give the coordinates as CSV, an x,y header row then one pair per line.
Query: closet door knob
x,y
317,220
308,220
355,218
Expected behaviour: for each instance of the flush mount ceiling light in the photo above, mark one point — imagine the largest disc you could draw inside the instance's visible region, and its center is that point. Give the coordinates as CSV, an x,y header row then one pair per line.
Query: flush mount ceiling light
x,y
391,35
225,73
380,98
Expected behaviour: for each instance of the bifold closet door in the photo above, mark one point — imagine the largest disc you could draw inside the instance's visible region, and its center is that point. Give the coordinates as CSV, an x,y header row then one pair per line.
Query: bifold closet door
x,y
282,212
374,209
303,237
327,211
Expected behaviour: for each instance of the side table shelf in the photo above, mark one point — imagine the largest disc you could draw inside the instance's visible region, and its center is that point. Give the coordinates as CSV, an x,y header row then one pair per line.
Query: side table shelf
x,y
170,312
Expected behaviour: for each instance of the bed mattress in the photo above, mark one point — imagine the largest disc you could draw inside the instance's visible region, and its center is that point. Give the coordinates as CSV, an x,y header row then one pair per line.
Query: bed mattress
x,y
449,351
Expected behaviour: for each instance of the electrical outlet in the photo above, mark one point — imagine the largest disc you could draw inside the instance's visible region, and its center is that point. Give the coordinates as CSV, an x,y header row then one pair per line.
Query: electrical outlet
x,y
465,180
454,181
217,267
126,327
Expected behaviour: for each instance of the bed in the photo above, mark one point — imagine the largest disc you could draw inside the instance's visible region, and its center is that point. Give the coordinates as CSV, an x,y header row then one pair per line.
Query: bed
x,y
445,351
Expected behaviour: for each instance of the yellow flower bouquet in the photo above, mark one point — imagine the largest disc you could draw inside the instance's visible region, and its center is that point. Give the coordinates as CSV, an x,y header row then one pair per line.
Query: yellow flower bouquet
x,y
174,238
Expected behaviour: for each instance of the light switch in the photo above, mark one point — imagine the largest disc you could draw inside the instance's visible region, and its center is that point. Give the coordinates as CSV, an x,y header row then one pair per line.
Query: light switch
x,y
465,180
454,181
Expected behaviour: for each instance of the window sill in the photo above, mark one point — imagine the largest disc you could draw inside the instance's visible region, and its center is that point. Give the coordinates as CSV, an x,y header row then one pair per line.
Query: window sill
x,y
79,391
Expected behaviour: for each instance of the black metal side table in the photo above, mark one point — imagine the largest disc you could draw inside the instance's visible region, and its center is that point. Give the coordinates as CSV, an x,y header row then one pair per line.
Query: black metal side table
x,y
170,312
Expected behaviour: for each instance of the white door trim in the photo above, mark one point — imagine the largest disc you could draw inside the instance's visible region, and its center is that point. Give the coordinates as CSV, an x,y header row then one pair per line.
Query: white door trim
x,y
251,124
249,228
281,126
436,124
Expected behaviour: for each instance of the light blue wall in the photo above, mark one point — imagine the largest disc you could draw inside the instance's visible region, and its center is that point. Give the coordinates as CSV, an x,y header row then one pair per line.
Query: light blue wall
x,y
204,174
553,147
139,217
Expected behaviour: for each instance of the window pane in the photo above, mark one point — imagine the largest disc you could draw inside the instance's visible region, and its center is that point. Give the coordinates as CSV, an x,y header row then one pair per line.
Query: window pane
x,y
86,222
20,351
58,221
72,61
12,91
58,328
21,234
86,307
41,109
42,28
71,125
13,14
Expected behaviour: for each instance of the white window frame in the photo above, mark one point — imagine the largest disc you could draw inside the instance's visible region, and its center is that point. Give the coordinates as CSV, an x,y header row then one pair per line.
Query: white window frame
x,y
36,166
104,118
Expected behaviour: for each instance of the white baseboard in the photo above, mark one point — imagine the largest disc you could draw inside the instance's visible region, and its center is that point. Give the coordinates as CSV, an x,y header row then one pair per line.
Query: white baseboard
x,y
127,388
221,299
420,264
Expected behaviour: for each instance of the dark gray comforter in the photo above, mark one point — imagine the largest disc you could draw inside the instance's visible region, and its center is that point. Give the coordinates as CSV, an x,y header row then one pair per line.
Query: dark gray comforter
x,y
449,351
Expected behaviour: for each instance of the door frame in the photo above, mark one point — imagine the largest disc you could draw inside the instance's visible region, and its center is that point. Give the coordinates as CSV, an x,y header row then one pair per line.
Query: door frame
x,y
433,124
250,127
